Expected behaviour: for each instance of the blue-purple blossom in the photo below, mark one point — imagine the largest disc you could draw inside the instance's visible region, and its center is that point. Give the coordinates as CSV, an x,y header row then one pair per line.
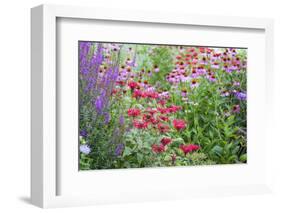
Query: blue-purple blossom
x,y
83,133
99,105
107,118
241,96
85,149
121,120
119,149
85,71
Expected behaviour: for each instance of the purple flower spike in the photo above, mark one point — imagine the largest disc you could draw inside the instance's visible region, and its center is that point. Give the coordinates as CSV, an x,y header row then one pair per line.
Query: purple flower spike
x,y
241,96
119,149
121,120
83,133
99,105
107,118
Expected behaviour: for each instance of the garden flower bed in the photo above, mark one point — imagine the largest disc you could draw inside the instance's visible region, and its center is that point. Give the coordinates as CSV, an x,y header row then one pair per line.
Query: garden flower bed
x,y
161,105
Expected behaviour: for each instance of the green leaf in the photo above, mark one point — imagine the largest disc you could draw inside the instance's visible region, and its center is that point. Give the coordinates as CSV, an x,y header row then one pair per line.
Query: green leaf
x,y
217,150
139,158
180,140
243,158
127,151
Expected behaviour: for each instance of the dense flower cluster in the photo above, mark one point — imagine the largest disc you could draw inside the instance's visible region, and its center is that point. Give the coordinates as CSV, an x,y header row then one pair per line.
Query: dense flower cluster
x,y
147,105
179,124
189,148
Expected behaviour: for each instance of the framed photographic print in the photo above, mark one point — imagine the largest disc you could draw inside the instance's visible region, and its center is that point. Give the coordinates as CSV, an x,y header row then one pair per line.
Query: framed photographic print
x,y
149,106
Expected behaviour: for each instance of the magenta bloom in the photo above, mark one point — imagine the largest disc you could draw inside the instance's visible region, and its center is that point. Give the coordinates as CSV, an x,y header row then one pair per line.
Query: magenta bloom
x,y
179,124
158,148
189,148
236,109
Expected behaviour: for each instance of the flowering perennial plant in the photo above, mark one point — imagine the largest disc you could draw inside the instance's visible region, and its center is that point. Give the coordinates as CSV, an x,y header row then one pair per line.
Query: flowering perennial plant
x,y
161,105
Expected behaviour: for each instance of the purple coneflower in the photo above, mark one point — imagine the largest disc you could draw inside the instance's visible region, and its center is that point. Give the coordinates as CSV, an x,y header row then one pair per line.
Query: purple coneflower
x,y
184,93
225,93
156,68
236,83
194,83
236,109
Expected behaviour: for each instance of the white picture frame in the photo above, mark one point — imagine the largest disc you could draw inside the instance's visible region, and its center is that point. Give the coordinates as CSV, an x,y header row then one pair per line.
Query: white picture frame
x,y
44,153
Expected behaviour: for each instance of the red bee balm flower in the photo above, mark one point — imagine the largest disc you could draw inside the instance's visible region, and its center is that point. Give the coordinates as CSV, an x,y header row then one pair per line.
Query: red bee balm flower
x,y
162,110
162,102
133,112
189,148
179,124
151,94
147,117
133,85
166,141
163,128
174,108
140,124
158,148
138,94
163,118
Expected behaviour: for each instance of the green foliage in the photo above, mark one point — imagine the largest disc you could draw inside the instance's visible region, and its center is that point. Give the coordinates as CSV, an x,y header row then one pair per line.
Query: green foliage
x,y
211,121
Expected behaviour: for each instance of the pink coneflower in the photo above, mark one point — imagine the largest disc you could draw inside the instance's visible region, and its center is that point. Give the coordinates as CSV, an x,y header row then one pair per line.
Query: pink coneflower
x,y
233,68
236,108
128,61
156,68
194,83
204,61
211,77
184,78
236,83
164,95
181,49
184,93
225,93
194,73
201,70
215,65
